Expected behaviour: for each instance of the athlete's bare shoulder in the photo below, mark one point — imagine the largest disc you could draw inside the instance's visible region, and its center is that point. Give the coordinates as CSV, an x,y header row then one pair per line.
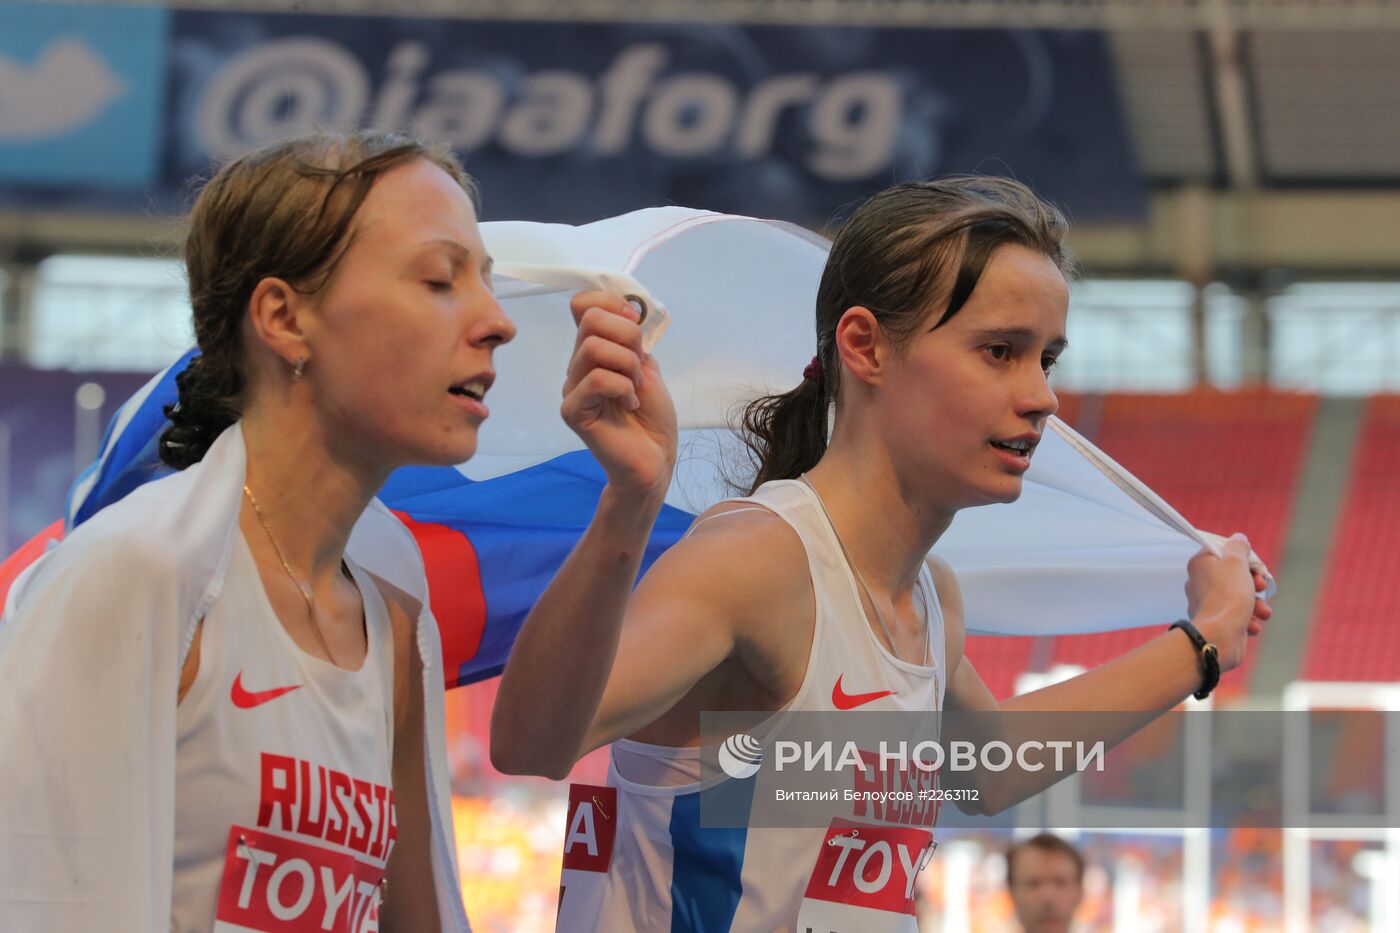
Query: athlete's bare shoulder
x,y
741,563
402,606
724,619
739,520
749,545
951,602
403,611
944,579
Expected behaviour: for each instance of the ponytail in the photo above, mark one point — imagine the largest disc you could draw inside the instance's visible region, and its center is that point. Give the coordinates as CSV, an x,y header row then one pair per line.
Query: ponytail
x,y
786,433
209,387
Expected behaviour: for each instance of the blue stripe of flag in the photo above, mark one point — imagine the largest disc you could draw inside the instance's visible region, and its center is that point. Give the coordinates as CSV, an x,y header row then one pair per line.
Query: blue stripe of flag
x,y
523,526
132,459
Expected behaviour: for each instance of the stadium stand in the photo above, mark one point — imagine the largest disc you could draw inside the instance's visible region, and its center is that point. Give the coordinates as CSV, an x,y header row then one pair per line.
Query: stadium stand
x,y
1227,461
1354,635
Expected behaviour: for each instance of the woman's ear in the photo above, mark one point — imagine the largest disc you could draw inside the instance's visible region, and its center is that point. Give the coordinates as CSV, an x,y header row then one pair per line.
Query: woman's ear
x,y
861,345
272,314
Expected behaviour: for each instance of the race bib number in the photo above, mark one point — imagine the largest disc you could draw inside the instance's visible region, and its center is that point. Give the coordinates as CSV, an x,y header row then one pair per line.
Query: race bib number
x,y
864,879
590,829
273,884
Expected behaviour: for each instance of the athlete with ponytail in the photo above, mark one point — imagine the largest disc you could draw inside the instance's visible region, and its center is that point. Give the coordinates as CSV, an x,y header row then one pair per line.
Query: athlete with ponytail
x,y
220,698
940,313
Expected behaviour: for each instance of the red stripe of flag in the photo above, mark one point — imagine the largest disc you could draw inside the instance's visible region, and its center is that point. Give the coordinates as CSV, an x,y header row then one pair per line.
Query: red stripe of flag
x,y
454,590
27,554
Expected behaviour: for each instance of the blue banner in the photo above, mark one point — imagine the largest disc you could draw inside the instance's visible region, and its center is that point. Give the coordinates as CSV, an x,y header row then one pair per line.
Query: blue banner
x,y
82,93
573,121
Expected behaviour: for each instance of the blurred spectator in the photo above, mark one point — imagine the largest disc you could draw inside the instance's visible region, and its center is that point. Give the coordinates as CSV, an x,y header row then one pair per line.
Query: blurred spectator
x,y
1045,876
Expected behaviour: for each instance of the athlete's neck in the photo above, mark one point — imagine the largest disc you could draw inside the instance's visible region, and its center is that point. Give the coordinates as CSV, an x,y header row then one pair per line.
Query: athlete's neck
x,y
887,527
309,492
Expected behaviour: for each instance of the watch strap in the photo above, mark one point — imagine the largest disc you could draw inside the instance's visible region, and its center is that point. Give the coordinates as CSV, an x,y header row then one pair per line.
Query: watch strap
x,y
1208,655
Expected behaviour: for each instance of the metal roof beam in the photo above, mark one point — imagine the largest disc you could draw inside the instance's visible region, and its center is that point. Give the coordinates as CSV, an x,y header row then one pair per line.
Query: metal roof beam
x,y
1232,98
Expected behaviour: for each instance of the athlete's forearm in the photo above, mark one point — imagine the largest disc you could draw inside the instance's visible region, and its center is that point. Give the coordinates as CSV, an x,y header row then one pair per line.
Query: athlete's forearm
x,y
1149,680
1129,691
559,666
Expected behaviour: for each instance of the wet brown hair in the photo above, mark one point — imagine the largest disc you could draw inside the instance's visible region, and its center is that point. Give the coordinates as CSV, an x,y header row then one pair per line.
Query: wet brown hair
x,y
285,212
904,254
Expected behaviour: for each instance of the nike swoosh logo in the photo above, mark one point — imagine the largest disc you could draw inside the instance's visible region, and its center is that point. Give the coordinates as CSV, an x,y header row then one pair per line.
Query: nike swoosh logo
x,y
247,699
842,700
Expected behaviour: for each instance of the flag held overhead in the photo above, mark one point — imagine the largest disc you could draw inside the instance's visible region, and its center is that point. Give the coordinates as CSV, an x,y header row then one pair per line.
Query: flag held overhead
x,y
1086,548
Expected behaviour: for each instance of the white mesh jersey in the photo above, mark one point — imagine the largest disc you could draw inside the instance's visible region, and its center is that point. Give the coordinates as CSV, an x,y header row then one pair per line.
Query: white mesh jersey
x,y
284,812
637,858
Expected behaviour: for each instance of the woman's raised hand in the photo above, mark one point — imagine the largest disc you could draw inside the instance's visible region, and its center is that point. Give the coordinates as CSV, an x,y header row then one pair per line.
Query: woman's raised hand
x,y
615,399
1222,595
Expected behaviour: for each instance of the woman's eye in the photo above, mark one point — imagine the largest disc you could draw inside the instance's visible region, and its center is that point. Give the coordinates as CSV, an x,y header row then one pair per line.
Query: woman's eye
x,y
439,286
1048,363
999,352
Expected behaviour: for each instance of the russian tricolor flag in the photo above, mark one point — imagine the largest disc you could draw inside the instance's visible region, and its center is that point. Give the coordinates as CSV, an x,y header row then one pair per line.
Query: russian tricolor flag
x,y
1087,547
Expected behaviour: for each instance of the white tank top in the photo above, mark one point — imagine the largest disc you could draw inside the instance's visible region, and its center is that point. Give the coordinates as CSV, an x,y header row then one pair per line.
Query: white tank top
x,y
284,812
636,857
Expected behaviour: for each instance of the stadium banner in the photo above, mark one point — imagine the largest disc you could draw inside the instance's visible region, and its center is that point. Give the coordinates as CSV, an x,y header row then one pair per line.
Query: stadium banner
x,y
562,121
82,99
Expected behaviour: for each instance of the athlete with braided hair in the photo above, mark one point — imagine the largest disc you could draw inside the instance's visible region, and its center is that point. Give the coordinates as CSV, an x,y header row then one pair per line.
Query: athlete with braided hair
x,y
220,698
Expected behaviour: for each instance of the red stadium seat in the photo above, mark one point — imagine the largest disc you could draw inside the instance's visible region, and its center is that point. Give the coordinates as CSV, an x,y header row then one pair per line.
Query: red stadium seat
x,y
1227,461
1356,632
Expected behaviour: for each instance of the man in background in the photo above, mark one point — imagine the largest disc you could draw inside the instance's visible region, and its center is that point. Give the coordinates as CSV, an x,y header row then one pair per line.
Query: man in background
x,y
1045,876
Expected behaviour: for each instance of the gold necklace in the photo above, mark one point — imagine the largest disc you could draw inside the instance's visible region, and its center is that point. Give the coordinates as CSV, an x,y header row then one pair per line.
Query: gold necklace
x,y
303,589
894,649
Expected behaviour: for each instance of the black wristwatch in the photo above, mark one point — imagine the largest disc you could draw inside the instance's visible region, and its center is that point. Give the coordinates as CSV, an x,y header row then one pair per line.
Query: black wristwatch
x,y
1210,658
